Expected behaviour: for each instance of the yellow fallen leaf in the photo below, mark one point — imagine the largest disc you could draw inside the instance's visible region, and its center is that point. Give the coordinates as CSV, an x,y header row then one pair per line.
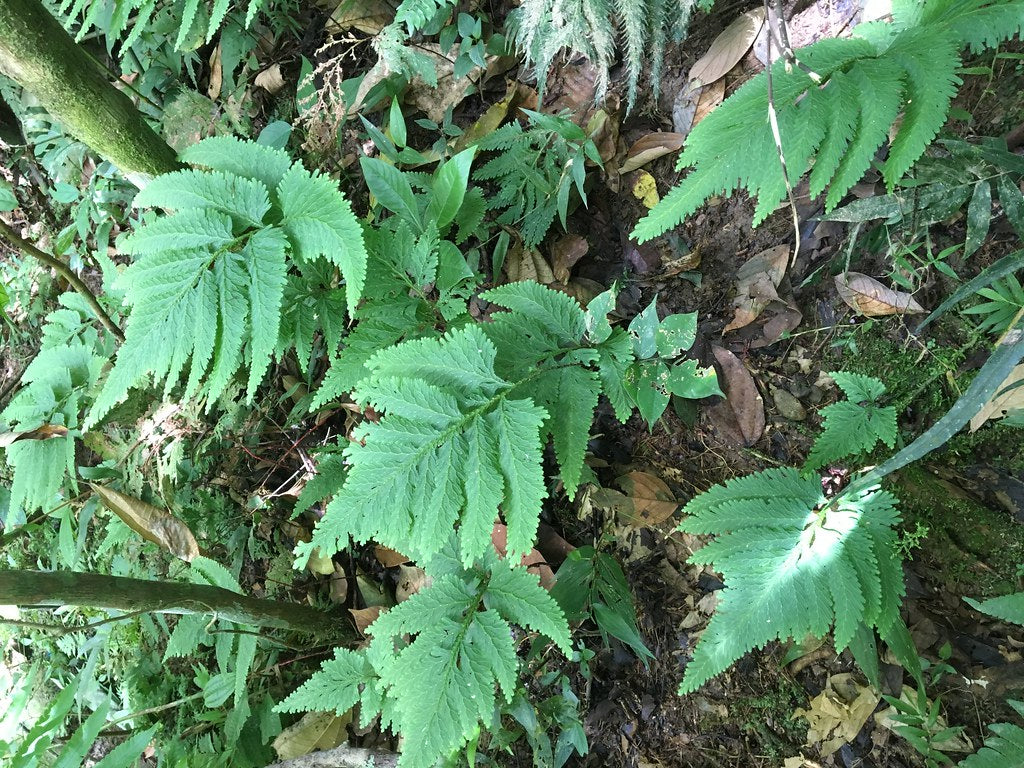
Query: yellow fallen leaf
x,y
153,524
838,713
645,189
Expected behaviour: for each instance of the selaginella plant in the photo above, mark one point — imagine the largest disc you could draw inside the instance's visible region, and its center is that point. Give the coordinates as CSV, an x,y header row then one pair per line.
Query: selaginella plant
x,y
836,109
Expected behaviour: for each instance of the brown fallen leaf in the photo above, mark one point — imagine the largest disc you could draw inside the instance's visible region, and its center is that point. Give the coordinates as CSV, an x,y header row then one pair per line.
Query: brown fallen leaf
x,y
710,97
534,561
1009,397
756,283
270,79
647,500
838,713
565,253
44,432
872,299
740,416
316,730
728,48
153,524
367,16
388,557
651,147
527,264
364,617
411,579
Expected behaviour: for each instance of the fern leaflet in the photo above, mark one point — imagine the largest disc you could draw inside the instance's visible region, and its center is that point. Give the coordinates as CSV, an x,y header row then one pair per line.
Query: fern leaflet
x,y
1003,750
855,425
794,564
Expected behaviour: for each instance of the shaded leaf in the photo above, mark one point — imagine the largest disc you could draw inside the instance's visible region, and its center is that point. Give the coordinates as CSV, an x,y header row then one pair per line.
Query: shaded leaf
x,y
728,48
153,524
651,147
741,415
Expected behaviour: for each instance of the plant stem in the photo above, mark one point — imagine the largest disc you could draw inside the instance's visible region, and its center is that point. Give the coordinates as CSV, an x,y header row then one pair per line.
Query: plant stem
x,y
64,271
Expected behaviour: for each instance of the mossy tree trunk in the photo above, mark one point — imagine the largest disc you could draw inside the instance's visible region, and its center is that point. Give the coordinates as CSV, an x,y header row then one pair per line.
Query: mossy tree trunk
x,y
38,54
39,589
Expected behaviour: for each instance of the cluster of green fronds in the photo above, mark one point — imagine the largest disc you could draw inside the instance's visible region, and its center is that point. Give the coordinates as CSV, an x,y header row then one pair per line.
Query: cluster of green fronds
x,y
534,171
794,563
854,425
834,121
544,28
207,286
55,391
196,21
441,664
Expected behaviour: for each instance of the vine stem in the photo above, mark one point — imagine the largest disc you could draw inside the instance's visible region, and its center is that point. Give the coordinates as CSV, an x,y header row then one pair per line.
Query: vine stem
x,y
64,271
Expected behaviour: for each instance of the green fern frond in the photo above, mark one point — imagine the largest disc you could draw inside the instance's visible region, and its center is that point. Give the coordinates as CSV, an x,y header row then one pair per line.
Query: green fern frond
x,y
835,126
439,687
1003,750
247,159
794,564
207,287
856,425
1007,607
438,397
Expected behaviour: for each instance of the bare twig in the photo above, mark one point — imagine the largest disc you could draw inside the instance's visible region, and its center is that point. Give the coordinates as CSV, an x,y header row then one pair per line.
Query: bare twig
x,y
64,271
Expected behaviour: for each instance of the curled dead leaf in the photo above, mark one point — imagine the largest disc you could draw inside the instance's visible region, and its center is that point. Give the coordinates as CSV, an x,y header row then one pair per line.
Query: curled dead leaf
x,y
153,524
651,147
645,500
756,283
838,713
565,253
527,264
44,432
872,299
270,79
740,417
728,48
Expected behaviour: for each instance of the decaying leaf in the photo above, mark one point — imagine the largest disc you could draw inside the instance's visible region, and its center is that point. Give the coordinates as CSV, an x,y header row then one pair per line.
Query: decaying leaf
x,y
872,299
534,561
565,253
388,557
338,592
44,432
411,579
153,524
645,500
651,147
740,417
364,617
756,284
490,120
645,189
710,97
728,48
527,264
367,16
316,730
837,714
1009,397
450,90
270,79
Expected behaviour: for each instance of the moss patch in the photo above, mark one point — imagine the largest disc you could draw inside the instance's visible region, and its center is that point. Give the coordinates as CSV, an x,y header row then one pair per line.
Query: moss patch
x,y
976,550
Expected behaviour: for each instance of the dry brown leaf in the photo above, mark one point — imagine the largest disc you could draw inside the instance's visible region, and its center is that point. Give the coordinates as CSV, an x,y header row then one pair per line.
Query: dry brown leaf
x,y
270,79
44,432
756,284
603,130
582,289
389,558
838,713
411,579
1009,397
367,16
740,416
316,730
527,264
651,147
364,617
728,48
216,75
153,524
565,253
872,299
710,97
648,500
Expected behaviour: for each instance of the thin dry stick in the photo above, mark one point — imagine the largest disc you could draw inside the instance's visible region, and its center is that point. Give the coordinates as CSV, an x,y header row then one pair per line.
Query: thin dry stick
x,y
774,122
64,271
